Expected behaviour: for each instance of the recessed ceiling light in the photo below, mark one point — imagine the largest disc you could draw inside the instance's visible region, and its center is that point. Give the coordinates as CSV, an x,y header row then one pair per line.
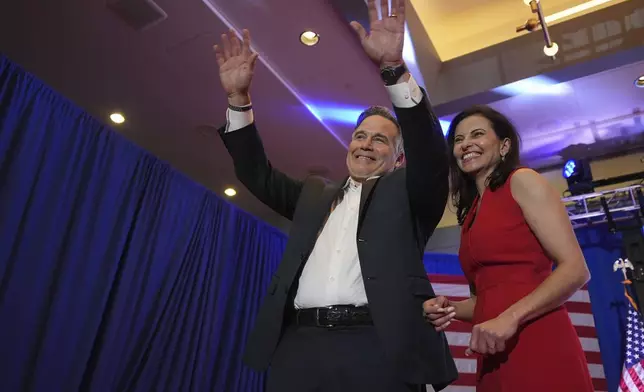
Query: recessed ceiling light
x,y
639,82
230,192
117,118
309,38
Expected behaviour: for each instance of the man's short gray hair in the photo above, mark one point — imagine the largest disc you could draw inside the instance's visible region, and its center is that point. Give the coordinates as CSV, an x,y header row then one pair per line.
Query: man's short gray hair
x,y
386,113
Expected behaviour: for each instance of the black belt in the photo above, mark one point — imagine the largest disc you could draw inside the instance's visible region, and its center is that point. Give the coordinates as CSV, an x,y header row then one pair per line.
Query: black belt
x,y
333,316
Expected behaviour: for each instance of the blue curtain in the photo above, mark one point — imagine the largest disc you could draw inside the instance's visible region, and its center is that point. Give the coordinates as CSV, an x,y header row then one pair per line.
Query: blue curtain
x,y
116,272
601,249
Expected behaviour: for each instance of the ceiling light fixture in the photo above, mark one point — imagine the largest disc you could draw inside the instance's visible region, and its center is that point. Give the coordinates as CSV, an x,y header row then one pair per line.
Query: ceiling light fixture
x,y
117,118
551,50
639,82
532,24
230,192
309,38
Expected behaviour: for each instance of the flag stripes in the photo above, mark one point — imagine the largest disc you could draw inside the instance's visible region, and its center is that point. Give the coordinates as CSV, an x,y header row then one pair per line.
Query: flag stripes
x,y
456,288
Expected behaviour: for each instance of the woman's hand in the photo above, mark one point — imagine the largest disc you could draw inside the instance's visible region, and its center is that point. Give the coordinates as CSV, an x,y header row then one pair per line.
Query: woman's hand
x,y
490,337
439,312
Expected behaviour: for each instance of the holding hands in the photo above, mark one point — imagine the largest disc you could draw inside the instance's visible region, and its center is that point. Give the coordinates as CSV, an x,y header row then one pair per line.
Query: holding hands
x,y
439,311
488,338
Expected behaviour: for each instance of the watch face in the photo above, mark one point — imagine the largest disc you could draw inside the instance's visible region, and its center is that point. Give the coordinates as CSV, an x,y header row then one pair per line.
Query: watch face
x,y
389,72
395,70
390,75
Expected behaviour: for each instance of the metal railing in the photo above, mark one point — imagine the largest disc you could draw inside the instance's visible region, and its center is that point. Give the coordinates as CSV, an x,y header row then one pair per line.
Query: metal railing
x,y
591,208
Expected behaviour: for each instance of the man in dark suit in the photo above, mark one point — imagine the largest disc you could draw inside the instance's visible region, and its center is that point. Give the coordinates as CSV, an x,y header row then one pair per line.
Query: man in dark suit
x,y
344,311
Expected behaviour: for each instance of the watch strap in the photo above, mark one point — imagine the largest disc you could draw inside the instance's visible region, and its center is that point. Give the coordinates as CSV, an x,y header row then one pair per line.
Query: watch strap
x,y
391,75
240,108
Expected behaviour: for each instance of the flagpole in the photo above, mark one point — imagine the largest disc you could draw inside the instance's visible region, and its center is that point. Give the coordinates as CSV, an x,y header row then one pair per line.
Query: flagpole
x,y
624,265
632,379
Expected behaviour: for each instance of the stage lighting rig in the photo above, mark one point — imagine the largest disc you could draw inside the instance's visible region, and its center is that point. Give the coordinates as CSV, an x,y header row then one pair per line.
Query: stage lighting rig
x,y
612,206
578,176
621,209
551,48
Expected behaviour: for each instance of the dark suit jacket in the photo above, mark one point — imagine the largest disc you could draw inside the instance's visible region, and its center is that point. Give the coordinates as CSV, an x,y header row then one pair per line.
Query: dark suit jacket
x,y
398,213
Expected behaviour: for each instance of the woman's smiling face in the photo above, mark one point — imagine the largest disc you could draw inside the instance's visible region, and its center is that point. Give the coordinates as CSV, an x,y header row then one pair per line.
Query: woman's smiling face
x,y
476,145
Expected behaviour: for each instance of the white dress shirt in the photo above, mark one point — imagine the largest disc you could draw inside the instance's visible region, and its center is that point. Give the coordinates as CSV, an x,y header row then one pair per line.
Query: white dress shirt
x,y
332,275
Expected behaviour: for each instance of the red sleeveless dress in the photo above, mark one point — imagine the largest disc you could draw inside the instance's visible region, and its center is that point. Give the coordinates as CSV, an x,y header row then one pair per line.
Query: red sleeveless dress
x,y
505,261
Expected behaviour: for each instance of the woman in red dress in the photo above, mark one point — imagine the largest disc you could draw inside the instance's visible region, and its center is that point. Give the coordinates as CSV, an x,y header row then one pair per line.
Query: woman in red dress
x,y
514,227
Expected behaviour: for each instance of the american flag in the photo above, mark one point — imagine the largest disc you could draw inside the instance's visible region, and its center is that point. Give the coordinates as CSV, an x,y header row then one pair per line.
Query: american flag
x,y
633,372
455,287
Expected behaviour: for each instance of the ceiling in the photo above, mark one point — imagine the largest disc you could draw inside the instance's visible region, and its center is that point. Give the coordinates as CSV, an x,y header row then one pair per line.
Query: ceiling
x,y
164,79
459,27
594,116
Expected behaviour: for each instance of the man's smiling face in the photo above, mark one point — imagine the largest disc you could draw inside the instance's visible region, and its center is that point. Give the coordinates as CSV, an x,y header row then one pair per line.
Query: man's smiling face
x,y
374,148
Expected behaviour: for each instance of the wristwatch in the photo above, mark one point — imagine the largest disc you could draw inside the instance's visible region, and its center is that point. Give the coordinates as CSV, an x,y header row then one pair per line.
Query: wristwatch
x,y
391,75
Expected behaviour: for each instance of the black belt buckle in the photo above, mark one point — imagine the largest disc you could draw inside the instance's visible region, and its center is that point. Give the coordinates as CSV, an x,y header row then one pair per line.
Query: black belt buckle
x,y
317,319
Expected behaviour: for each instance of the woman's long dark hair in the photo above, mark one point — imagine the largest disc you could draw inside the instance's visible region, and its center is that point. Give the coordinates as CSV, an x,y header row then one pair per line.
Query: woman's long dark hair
x,y
463,187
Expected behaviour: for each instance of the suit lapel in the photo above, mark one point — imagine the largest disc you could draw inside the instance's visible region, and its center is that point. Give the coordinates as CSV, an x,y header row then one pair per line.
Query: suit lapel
x,y
321,213
365,198
329,196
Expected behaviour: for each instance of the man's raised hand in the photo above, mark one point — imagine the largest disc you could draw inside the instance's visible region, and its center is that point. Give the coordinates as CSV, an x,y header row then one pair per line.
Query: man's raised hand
x,y
236,66
384,42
